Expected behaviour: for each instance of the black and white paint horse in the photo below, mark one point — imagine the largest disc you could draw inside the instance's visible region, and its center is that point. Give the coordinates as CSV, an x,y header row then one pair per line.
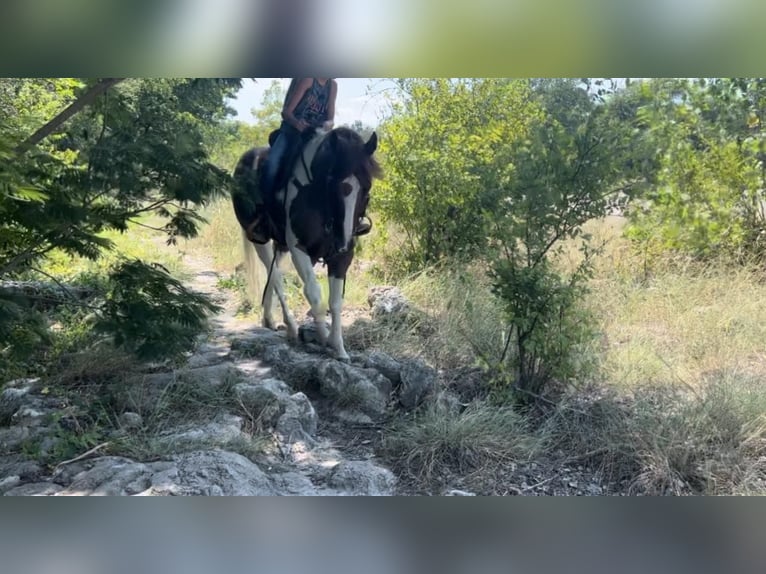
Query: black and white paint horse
x,y
313,217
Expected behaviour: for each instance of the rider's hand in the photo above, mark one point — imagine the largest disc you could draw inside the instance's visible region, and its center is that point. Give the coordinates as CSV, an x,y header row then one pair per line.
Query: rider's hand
x,y
302,125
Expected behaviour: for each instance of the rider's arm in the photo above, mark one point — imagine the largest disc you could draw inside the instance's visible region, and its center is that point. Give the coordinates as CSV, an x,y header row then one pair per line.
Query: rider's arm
x,y
287,111
331,105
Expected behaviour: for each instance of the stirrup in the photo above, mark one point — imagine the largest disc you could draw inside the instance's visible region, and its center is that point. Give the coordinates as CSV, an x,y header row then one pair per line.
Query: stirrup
x,y
363,226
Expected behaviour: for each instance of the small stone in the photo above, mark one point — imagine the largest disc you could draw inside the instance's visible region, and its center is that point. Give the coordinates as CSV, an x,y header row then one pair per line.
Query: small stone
x,y
35,489
456,492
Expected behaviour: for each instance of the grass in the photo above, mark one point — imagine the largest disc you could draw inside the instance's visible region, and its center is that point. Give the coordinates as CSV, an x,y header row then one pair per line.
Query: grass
x,y
678,405
666,440
94,387
428,447
138,242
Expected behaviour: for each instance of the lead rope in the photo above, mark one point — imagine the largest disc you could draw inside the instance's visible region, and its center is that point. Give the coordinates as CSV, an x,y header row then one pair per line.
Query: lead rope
x,y
284,208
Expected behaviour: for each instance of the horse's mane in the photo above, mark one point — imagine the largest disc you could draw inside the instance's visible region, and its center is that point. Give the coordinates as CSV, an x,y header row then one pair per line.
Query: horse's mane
x,y
348,158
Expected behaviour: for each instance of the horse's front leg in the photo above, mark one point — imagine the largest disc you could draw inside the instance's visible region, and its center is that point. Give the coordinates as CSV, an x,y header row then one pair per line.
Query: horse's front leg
x,y
336,307
311,290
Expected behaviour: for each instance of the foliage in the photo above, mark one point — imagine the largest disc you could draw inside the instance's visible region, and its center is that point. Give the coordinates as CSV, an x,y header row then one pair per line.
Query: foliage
x,y
438,147
137,150
228,140
710,138
150,313
507,171
571,162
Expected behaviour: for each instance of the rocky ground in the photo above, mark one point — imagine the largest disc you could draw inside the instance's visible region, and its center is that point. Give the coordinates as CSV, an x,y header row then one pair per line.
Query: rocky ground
x,y
299,423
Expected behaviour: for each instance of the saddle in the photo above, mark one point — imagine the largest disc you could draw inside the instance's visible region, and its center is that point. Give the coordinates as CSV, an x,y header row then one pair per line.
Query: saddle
x,y
290,159
264,228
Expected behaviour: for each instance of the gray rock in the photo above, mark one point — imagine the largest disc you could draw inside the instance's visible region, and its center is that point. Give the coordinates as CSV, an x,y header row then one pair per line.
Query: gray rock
x,y
17,465
109,476
131,421
265,400
208,355
307,333
385,365
382,383
256,342
299,373
221,432
12,438
47,445
279,355
293,484
445,403
418,379
299,421
32,415
9,482
211,473
387,302
212,375
456,492
253,368
35,489
352,388
362,478
13,396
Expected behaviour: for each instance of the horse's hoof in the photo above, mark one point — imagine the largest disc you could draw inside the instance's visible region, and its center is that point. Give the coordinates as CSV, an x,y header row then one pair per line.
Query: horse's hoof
x,y
269,324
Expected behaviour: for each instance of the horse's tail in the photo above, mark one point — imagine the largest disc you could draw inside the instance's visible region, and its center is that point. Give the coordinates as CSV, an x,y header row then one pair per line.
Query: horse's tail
x,y
243,196
255,272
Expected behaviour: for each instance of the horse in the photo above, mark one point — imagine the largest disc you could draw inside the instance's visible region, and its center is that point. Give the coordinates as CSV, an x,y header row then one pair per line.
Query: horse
x,y
312,216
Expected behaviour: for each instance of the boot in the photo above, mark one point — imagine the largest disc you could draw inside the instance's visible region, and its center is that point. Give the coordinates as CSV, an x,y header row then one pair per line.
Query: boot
x,y
363,226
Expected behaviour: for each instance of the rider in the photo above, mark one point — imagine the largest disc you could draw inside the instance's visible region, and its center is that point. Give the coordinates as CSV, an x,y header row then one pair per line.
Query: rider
x,y
309,104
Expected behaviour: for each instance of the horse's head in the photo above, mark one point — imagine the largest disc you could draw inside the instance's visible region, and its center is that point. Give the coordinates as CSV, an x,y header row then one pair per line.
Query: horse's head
x,y
347,165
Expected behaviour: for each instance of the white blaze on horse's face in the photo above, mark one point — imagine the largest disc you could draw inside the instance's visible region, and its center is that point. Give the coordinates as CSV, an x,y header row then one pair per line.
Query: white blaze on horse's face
x,y
350,187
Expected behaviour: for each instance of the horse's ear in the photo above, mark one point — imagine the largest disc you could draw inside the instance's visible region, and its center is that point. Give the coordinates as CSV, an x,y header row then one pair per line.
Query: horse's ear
x,y
372,144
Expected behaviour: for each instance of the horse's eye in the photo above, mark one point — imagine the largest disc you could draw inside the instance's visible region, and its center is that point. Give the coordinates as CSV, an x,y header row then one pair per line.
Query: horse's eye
x,y
346,188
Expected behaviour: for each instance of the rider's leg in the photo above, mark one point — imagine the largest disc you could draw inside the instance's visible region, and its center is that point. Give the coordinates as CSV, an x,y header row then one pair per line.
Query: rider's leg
x,y
271,167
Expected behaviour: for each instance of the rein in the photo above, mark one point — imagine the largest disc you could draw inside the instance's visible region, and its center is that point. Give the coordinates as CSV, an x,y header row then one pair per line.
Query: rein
x,y
284,207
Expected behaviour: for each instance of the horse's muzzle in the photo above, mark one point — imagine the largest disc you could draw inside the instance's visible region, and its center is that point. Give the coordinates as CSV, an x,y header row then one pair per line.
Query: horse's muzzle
x,y
341,246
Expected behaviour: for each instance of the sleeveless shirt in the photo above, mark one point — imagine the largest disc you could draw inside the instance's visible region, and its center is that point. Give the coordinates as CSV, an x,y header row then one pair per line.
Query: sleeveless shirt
x,y
313,105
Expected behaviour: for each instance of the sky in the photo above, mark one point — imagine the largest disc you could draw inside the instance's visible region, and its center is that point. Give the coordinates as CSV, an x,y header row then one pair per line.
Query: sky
x,y
361,99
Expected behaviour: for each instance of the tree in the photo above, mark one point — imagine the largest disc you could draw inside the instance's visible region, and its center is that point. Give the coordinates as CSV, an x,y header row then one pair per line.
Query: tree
x,y
505,171
439,145
707,197
573,159
131,149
